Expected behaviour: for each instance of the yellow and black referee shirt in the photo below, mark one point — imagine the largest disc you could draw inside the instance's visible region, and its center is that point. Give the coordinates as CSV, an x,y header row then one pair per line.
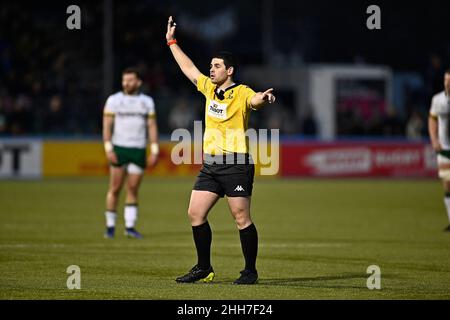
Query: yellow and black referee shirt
x,y
226,119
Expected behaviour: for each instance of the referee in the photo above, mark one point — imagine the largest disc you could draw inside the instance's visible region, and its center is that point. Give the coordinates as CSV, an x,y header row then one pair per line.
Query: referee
x,y
227,166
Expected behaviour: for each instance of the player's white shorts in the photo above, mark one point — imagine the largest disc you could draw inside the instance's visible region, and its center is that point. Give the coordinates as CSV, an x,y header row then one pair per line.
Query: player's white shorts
x,y
444,173
131,168
135,169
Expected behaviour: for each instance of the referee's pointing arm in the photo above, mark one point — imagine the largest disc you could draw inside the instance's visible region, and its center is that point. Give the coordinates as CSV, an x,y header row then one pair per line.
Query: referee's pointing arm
x,y
260,98
186,64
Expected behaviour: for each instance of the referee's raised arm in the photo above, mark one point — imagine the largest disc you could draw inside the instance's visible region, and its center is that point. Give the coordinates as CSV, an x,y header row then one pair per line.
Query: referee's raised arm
x,y
186,65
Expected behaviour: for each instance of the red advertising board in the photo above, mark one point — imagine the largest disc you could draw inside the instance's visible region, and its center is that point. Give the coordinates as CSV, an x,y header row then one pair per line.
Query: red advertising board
x,y
358,159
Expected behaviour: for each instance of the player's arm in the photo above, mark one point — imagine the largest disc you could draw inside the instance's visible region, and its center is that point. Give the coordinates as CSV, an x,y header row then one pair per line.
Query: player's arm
x,y
108,122
260,99
433,131
186,65
153,138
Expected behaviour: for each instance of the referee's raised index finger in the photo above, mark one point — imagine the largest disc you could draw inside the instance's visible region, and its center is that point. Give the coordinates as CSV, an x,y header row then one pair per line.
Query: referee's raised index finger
x,y
268,91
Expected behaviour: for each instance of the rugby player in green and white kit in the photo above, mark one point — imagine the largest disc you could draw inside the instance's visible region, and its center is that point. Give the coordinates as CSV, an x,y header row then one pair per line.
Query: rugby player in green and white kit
x,y
129,121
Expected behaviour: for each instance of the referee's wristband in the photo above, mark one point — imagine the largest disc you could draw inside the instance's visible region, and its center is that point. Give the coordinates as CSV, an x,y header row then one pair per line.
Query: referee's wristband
x,y
171,42
108,146
154,148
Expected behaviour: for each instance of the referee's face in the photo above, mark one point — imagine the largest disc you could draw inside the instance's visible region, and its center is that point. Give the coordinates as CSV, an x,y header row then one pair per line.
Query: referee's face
x,y
218,72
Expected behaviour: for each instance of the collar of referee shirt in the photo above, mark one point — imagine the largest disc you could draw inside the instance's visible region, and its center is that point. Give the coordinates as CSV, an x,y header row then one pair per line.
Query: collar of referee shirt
x,y
221,93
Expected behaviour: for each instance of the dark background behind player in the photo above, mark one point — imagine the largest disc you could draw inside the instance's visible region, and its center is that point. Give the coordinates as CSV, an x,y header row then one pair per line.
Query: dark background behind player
x,y
53,81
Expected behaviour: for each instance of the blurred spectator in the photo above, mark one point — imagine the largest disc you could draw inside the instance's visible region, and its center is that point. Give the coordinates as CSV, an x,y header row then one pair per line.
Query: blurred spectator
x,y
281,117
308,124
20,118
415,126
155,78
434,73
2,119
182,115
55,116
374,125
350,122
392,124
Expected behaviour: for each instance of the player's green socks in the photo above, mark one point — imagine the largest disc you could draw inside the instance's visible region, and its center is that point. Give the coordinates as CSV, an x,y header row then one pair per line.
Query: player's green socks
x,y
110,219
130,214
202,238
249,243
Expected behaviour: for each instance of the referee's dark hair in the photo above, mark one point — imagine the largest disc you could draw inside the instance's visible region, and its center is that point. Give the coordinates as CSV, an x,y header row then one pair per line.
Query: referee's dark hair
x,y
447,71
132,70
228,58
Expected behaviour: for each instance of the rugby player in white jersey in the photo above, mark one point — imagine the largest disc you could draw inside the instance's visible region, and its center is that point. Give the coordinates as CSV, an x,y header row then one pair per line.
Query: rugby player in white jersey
x,y
129,122
439,130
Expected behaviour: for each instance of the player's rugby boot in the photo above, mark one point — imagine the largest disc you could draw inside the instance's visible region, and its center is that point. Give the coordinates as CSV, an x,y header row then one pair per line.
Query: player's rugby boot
x,y
197,274
247,277
132,233
109,233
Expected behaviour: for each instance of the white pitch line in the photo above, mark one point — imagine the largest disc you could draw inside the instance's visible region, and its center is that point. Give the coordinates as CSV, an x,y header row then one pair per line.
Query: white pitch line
x,y
30,245
174,245
304,245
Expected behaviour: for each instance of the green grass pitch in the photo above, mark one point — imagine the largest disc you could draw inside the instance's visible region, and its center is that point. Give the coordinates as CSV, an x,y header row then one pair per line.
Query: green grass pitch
x,y
317,238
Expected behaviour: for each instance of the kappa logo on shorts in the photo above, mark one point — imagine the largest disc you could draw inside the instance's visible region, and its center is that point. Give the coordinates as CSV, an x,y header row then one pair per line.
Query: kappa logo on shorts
x,y
239,188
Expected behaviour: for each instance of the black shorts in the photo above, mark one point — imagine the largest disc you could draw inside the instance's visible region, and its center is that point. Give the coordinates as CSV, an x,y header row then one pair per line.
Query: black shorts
x,y
233,180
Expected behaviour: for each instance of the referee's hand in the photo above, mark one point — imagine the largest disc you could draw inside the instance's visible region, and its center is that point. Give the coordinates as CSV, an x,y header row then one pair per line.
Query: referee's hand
x,y
171,25
268,96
